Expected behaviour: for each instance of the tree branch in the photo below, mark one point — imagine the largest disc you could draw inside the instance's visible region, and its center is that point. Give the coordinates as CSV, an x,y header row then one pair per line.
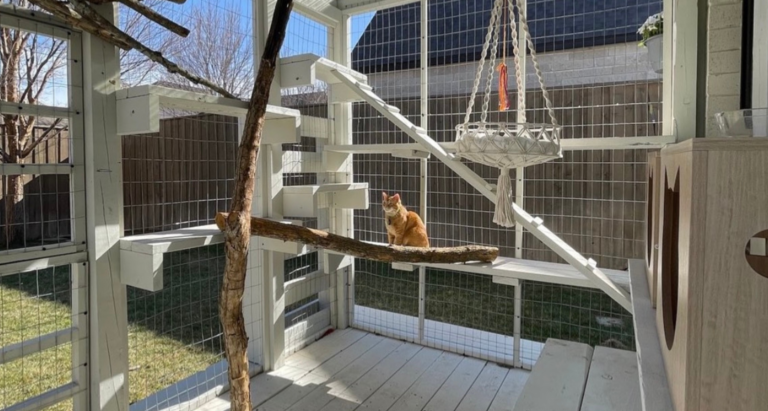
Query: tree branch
x,y
156,17
47,135
321,239
86,18
6,158
32,79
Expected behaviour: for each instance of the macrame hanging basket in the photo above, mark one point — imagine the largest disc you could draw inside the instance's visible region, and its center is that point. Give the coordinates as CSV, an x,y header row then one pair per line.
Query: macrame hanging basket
x,y
507,145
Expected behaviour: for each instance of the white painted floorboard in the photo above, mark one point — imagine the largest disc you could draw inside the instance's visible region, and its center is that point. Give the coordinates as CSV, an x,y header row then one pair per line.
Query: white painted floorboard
x,y
354,370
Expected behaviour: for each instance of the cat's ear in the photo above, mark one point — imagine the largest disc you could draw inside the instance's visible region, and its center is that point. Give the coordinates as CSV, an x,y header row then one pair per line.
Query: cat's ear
x,y
384,196
396,197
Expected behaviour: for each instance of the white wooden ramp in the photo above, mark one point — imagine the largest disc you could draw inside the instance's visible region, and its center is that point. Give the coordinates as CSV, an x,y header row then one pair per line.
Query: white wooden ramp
x,y
535,225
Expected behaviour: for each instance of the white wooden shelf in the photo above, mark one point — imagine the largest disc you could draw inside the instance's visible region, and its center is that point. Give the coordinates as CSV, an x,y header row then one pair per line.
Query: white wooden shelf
x,y
141,256
138,112
304,201
654,386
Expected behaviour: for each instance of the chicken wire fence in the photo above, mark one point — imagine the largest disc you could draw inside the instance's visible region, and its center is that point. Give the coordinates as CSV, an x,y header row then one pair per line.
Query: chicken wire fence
x,y
471,314
35,306
601,85
177,178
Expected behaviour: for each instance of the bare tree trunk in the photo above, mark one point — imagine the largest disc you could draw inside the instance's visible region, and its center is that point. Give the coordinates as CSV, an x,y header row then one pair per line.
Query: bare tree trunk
x,y
357,248
237,234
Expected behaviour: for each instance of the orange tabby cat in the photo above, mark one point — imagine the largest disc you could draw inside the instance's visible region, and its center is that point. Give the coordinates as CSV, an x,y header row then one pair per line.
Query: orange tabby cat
x,y
403,227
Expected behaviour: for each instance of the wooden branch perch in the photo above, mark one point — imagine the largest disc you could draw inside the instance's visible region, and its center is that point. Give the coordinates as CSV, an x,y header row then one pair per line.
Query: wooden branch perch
x,y
156,17
321,239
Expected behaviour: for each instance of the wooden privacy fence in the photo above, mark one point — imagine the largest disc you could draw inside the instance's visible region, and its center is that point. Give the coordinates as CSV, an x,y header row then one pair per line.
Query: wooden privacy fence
x,y
42,214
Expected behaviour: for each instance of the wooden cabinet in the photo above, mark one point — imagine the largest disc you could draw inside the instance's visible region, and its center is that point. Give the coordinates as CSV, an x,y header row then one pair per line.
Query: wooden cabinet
x,y
712,306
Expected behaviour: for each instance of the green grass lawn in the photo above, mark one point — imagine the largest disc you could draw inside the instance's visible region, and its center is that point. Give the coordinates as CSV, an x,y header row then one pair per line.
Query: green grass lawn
x,y
172,333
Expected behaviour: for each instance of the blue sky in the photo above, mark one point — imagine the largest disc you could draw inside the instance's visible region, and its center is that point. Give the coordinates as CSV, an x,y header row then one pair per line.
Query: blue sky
x,y
304,35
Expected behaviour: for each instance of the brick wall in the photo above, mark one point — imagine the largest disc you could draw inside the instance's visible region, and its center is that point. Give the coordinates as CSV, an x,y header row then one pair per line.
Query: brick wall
x,y
723,48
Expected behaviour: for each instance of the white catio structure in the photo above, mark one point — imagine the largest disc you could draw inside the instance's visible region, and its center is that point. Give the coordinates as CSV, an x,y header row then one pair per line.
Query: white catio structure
x,y
106,275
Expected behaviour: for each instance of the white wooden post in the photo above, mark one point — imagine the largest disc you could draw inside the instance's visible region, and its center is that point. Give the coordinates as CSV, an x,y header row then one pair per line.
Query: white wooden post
x,y
104,189
519,199
423,164
680,69
342,134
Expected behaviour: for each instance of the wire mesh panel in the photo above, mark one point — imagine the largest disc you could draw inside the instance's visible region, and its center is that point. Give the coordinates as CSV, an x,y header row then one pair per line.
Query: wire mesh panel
x,y
181,176
470,314
175,338
37,306
386,300
384,173
595,201
571,313
43,301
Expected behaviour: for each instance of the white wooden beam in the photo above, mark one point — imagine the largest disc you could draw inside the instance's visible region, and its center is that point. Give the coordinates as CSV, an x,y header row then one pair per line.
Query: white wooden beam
x,y
108,315
680,68
322,11
608,143
36,345
363,6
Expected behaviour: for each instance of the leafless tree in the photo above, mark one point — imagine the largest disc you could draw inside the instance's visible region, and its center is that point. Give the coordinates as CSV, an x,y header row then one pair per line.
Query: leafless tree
x,y
33,65
136,68
218,48
30,63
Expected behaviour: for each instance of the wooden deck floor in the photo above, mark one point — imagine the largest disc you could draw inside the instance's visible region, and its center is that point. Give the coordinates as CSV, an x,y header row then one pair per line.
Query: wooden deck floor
x,y
355,370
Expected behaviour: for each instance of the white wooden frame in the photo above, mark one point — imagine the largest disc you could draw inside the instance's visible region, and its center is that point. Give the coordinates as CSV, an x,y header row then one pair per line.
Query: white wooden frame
x,y
70,253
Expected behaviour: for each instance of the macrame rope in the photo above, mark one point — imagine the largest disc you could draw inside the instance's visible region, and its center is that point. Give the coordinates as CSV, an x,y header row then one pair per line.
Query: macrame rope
x,y
504,215
518,70
483,55
532,47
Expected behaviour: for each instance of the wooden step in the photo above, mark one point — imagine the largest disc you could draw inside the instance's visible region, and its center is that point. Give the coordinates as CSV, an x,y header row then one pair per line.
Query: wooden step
x,y
306,69
558,379
304,201
613,382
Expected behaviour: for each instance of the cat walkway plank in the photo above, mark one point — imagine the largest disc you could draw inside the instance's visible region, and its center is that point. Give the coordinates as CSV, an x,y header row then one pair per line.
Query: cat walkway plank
x,y
586,267
531,270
